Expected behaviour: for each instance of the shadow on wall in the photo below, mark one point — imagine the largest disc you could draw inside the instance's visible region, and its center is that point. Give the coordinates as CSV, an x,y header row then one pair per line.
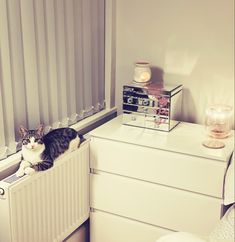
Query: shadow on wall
x,y
189,111
157,74
188,108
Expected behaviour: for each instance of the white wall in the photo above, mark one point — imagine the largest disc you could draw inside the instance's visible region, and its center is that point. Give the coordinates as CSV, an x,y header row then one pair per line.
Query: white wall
x,y
191,40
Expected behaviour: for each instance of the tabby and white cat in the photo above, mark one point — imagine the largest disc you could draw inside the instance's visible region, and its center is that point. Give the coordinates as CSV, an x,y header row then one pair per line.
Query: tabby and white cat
x,y
39,151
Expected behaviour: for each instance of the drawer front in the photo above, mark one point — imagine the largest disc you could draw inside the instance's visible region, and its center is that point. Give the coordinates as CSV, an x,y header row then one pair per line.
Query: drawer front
x,y
154,204
106,227
173,169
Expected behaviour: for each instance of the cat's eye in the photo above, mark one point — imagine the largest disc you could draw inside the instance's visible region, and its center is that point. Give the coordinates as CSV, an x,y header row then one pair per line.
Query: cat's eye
x,y
38,140
25,141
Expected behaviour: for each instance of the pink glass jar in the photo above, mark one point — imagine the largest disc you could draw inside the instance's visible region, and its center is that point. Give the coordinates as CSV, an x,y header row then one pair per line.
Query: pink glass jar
x,y
218,121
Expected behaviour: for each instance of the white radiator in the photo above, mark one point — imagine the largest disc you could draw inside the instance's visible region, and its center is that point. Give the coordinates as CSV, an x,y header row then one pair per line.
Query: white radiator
x,y
49,205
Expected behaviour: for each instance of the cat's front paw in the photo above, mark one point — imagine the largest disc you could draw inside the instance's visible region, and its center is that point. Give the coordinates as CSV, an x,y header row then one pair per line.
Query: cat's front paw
x,y
29,171
20,173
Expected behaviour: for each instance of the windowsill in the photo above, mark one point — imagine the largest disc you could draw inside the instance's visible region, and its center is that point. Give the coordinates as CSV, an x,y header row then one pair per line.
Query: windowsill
x,y
89,121
81,125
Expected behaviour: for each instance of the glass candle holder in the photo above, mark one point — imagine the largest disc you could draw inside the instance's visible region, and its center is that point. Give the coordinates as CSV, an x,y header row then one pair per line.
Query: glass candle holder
x,y
218,121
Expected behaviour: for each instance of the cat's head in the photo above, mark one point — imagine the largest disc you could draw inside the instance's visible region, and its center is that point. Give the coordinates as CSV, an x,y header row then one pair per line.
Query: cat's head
x,y
32,139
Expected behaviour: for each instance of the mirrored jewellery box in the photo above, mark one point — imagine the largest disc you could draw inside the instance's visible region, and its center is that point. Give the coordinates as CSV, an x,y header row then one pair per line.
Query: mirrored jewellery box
x,y
152,106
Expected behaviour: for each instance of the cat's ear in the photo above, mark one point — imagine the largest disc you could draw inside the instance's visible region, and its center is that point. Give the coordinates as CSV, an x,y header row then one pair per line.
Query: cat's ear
x,y
23,131
40,130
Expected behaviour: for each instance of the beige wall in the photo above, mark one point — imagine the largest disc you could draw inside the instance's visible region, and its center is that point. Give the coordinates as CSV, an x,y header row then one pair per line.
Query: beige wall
x,y
192,41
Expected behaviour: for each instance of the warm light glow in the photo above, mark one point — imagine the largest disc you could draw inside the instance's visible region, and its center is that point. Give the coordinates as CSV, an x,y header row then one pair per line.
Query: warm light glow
x,y
218,118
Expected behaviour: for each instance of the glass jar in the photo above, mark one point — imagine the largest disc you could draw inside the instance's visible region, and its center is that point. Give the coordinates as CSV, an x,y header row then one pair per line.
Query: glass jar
x,y
218,121
142,72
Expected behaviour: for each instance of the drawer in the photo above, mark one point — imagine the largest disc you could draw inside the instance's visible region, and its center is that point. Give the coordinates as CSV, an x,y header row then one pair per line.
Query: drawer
x,y
186,172
105,227
154,204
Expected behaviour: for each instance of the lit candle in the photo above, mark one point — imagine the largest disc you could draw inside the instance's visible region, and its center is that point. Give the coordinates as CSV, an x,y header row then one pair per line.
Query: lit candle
x,y
142,72
218,119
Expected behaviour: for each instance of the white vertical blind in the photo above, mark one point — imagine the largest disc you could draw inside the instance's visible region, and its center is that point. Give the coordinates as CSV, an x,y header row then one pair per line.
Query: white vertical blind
x,y
51,57
87,53
30,62
79,71
61,60
70,46
51,64
6,87
17,65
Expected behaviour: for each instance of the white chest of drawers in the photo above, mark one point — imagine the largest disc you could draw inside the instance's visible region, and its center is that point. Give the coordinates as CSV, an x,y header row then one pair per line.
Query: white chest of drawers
x,y
145,183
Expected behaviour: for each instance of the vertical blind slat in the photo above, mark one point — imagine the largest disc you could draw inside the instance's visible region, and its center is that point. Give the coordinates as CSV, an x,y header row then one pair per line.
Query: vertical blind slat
x,y
30,63
42,61
7,95
61,60
2,133
69,37
94,59
101,47
87,48
17,65
79,70
52,63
